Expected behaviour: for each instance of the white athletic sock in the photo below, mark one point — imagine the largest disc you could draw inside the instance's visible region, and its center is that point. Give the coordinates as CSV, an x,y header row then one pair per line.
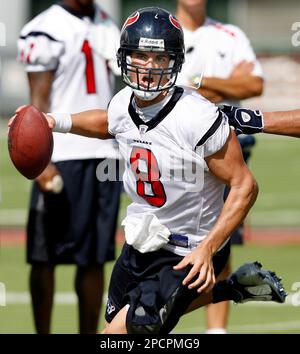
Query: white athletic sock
x,y
216,331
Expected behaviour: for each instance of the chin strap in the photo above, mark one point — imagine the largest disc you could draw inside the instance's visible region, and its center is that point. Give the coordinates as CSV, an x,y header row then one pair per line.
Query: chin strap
x,y
150,95
146,95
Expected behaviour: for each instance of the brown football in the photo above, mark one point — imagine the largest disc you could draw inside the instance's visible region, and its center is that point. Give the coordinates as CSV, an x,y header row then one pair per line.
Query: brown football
x,y
30,142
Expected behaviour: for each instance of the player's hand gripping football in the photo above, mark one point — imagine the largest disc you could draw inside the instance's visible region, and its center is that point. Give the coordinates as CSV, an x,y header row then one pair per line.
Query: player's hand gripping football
x,y
202,274
50,120
49,180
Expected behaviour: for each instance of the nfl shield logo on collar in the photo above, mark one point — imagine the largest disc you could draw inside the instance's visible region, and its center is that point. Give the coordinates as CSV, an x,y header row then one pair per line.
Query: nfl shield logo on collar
x,y
143,129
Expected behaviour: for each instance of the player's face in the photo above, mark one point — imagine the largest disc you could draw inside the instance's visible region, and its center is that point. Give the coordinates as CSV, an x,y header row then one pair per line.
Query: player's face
x,y
85,3
149,60
192,3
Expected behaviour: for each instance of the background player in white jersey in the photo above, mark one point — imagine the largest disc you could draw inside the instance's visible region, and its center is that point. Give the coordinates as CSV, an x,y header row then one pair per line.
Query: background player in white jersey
x,y
220,59
178,226
69,55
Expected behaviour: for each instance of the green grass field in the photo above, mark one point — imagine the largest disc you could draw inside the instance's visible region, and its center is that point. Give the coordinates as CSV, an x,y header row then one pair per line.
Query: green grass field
x,y
275,164
247,318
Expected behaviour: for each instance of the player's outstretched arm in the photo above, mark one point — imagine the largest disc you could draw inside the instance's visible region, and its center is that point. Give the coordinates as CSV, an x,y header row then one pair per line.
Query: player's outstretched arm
x,y
92,123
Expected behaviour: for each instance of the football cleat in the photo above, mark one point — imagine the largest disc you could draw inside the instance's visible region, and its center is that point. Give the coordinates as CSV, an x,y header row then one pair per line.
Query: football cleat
x,y
252,283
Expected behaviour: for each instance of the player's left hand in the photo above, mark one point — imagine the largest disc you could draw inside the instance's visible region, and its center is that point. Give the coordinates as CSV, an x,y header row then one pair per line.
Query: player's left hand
x,y
202,265
11,119
50,120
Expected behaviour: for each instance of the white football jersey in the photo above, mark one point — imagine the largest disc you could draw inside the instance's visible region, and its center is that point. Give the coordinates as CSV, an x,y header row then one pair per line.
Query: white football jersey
x,y
213,50
82,51
165,171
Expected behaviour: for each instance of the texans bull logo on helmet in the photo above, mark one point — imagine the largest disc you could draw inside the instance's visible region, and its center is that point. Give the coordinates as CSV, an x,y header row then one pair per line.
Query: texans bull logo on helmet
x,y
131,20
174,22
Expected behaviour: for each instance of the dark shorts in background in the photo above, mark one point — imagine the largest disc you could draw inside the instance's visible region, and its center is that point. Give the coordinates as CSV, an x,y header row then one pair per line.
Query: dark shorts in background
x,y
78,225
153,289
247,142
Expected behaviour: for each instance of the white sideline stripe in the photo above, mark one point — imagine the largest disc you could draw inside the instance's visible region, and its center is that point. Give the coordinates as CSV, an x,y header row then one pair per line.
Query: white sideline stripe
x,y
60,298
275,217
265,327
23,298
266,217
252,328
274,326
13,216
69,298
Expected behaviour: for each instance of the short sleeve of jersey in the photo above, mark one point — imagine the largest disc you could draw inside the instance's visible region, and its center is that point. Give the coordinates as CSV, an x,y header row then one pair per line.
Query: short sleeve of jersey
x,y
218,138
39,51
115,42
118,110
206,129
244,51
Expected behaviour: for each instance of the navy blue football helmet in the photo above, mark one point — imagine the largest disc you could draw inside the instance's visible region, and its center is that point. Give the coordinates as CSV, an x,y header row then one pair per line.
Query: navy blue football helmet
x,y
156,30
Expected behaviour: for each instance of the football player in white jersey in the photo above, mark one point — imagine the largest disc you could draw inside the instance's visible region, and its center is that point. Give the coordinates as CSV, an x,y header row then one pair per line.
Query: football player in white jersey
x,y
219,58
69,55
179,152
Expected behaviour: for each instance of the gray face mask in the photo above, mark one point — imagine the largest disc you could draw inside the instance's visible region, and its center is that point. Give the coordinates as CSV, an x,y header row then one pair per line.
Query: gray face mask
x,y
150,93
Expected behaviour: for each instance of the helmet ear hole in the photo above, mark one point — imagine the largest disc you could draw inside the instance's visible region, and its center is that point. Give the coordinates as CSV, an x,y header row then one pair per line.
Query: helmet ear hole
x,y
151,29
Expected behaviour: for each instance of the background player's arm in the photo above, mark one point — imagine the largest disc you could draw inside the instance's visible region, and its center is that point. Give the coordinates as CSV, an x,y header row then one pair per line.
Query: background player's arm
x,y
245,80
235,88
40,84
229,167
211,95
282,123
240,85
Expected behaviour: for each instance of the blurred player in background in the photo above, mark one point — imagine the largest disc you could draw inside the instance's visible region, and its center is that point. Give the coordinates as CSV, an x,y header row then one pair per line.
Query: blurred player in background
x,y
69,52
221,62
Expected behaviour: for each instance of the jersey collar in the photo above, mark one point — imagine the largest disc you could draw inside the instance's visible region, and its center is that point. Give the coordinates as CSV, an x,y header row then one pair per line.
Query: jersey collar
x,y
178,91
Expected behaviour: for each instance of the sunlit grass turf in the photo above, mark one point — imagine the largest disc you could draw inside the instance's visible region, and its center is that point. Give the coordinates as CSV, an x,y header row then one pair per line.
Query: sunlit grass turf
x,y
285,260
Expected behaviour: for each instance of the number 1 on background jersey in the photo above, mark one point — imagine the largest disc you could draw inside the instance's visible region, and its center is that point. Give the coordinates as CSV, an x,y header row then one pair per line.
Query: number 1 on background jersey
x,y
145,167
89,68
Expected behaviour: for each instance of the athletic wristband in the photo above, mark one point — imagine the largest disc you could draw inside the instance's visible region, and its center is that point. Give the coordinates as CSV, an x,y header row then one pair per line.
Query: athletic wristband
x,y
63,122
